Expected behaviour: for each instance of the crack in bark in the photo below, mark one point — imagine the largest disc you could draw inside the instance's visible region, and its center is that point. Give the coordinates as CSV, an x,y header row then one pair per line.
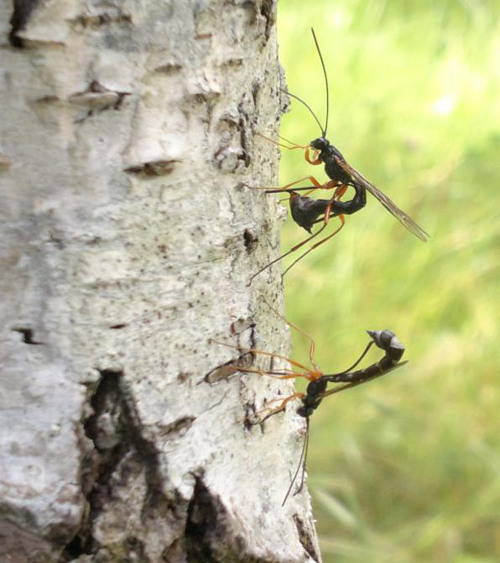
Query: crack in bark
x,y
154,168
306,538
243,126
207,536
120,453
268,11
179,427
19,19
98,98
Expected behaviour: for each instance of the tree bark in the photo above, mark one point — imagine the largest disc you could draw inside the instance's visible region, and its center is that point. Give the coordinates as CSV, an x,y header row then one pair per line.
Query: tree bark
x,y
128,239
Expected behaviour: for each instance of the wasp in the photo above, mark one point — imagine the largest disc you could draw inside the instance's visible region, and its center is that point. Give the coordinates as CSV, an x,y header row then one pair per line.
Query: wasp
x,y
317,389
305,212
340,172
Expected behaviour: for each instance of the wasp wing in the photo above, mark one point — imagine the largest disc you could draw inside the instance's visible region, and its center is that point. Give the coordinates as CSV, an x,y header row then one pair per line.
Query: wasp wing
x,y
400,215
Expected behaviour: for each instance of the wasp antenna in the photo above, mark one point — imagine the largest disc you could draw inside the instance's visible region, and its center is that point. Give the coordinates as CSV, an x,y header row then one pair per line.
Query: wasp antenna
x,y
302,465
326,82
306,105
350,368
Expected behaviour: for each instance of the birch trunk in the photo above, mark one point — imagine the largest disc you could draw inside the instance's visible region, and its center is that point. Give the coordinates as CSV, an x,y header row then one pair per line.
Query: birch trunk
x,y
127,243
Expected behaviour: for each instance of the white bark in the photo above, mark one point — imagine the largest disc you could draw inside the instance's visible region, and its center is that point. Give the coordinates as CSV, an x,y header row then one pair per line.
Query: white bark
x,y
127,243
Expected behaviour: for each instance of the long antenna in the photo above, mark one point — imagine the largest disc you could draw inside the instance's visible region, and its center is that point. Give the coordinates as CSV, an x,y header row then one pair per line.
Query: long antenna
x,y
326,83
307,106
301,465
350,368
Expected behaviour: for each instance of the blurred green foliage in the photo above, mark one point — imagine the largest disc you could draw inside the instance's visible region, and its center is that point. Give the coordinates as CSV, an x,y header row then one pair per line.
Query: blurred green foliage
x,y
407,467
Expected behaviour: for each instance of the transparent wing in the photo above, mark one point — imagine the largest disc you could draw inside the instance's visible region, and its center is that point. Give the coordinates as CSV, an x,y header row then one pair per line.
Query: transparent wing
x,y
400,215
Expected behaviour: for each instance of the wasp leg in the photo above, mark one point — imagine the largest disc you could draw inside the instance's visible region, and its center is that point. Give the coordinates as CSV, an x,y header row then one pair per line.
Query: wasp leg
x,y
281,407
319,243
330,185
293,249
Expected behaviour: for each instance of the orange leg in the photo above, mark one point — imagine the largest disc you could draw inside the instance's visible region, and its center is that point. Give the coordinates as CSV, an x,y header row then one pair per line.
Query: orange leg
x,y
271,355
312,344
284,374
291,143
337,195
339,192
330,185
292,146
281,407
326,186
326,219
293,249
312,179
319,243
314,160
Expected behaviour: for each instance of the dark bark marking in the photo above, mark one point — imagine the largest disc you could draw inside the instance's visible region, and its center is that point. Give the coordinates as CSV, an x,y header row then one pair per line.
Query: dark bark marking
x,y
234,62
4,163
96,98
250,416
255,93
179,427
19,19
305,537
155,168
169,69
251,240
120,452
28,334
241,325
111,15
208,537
268,11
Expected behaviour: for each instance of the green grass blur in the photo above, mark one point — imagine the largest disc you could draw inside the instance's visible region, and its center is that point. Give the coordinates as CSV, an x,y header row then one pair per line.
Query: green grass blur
x,y
406,468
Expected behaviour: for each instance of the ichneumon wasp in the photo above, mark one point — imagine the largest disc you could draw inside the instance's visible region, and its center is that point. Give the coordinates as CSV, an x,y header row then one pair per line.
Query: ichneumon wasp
x,y
317,389
306,211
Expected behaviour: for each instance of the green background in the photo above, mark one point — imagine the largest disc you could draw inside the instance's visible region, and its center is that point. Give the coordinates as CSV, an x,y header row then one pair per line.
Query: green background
x,y
407,467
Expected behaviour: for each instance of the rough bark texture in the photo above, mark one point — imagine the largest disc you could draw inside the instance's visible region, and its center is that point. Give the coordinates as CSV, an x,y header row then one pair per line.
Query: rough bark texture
x,y
127,242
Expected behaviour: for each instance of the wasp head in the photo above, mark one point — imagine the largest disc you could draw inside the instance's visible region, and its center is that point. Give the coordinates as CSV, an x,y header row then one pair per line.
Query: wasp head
x,y
320,144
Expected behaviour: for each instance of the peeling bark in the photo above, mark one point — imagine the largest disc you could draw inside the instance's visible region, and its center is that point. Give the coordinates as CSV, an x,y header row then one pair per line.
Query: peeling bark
x,y
127,241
